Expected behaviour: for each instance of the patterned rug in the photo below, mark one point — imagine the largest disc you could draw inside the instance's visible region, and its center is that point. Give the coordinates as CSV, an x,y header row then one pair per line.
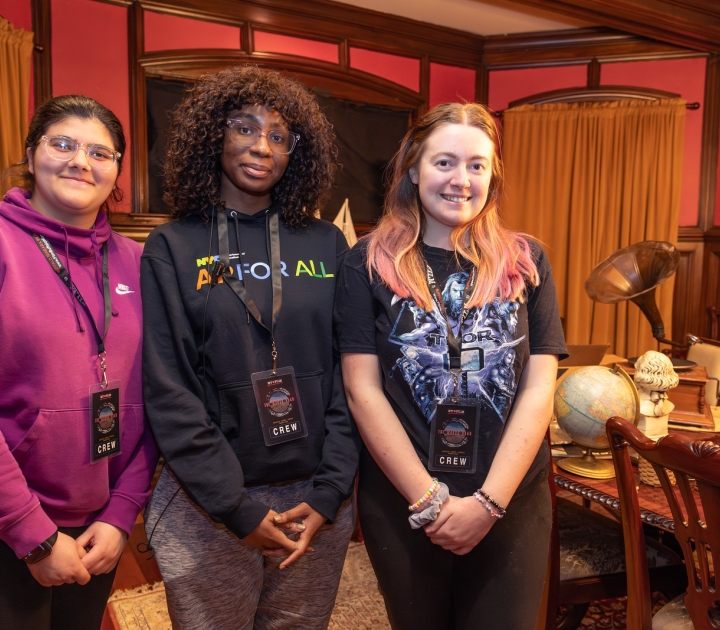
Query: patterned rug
x,y
359,605
609,614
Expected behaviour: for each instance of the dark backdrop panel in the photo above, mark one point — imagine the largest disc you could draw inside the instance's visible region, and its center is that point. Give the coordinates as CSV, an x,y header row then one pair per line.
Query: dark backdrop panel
x,y
162,98
368,137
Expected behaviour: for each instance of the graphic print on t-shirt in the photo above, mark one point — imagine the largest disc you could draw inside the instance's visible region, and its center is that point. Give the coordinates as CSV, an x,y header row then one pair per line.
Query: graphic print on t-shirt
x,y
424,364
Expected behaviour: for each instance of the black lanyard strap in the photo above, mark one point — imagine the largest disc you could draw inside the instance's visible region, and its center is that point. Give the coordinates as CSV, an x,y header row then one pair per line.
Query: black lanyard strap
x,y
57,266
454,342
272,231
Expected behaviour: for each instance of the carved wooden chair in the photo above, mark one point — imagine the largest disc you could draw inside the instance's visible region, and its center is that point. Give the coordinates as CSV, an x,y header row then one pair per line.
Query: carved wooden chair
x,y
587,562
696,464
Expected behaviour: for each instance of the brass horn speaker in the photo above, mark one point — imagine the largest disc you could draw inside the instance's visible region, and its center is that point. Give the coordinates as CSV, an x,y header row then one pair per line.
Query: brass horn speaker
x,y
632,273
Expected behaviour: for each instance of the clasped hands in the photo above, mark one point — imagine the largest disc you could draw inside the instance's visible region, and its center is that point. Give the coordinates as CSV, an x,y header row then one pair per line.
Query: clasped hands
x,y
271,535
461,524
97,550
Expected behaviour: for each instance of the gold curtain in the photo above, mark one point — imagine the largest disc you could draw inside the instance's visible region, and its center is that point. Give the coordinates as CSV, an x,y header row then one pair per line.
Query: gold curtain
x,y
587,179
16,46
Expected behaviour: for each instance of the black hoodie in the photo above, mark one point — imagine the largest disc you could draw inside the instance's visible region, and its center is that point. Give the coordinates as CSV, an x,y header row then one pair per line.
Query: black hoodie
x,y
216,449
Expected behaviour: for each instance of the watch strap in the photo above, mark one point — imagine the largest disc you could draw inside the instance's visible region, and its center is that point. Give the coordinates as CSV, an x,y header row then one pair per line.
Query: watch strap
x,y
42,551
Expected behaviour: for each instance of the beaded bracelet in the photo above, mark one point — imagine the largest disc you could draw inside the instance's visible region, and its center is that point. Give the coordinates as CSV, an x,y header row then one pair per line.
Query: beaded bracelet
x,y
499,507
427,497
494,512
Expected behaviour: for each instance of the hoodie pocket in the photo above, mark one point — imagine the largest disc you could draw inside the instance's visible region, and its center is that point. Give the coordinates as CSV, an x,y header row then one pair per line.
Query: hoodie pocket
x,y
54,456
240,421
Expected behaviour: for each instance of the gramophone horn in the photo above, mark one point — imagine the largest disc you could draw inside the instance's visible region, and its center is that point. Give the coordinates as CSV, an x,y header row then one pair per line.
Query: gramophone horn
x,y
632,273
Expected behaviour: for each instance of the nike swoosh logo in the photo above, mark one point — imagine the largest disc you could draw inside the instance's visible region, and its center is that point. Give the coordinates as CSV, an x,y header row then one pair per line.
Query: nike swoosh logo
x,y
122,289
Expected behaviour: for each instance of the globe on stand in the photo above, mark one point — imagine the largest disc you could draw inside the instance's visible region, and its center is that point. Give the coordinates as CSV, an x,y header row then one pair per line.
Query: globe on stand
x,y
585,398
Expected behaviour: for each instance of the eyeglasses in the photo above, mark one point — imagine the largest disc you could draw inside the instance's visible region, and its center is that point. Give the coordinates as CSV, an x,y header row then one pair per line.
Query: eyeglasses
x,y
245,134
65,149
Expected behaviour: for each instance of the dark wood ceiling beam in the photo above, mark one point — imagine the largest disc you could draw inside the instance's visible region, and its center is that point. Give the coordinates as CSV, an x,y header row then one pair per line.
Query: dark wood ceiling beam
x,y
690,23
577,46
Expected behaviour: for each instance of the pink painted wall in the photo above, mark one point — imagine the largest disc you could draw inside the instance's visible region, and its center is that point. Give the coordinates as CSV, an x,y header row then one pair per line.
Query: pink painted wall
x,y
272,42
170,32
687,78
402,70
19,14
450,83
94,61
510,85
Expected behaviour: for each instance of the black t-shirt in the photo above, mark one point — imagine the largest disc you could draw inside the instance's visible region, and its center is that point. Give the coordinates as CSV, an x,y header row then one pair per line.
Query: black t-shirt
x,y
411,345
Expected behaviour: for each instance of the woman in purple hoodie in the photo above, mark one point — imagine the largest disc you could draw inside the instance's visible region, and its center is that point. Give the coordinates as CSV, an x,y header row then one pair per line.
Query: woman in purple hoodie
x,y
76,458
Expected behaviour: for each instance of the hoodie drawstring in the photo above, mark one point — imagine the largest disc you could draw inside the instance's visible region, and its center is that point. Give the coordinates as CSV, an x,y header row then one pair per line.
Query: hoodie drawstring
x,y
67,263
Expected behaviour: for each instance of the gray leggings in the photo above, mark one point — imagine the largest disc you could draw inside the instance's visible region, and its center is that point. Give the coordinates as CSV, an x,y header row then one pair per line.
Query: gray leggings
x,y
214,581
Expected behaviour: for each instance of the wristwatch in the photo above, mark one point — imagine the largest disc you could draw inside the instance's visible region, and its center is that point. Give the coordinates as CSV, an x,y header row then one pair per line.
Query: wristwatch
x,y
42,551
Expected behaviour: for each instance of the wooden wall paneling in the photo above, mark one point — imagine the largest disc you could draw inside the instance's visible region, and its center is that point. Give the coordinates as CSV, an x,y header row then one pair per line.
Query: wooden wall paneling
x,y
593,73
710,144
138,109
247,42
686,317
482,81
711,280
42,55
324,19
689,23
424,84
577,46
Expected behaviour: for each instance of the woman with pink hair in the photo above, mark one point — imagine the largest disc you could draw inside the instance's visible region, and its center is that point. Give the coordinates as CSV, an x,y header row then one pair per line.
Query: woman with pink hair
x,y
468,465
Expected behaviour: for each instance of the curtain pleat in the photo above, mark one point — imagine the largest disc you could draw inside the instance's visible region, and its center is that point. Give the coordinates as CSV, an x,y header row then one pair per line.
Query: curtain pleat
x,y
16,46
587,179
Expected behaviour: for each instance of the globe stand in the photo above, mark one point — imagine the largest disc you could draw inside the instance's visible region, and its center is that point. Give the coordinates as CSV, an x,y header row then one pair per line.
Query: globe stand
x,y
588,466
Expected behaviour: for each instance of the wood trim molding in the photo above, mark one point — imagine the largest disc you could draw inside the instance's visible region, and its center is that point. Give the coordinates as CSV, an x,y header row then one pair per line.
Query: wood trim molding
x,y
42,55
711,282
710,144
689,23
574,47
324,19
687,292
604,93
137,226
138,109
593,74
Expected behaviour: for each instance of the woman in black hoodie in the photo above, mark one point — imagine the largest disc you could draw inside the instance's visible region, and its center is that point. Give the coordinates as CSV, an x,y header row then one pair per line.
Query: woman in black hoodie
x,y
243,391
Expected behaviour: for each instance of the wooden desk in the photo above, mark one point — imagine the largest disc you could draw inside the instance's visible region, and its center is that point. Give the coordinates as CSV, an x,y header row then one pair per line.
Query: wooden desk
x,y
654,508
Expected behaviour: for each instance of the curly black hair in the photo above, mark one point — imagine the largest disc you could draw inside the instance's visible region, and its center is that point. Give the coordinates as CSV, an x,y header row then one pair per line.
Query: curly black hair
x,y
195,144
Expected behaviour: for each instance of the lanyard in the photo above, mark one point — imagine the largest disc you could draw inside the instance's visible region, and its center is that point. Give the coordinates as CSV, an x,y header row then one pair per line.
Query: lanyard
x,y
60,270
272,243
454,342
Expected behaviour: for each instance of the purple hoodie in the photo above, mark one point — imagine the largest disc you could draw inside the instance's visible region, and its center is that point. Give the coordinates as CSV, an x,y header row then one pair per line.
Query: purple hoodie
x,y
48,359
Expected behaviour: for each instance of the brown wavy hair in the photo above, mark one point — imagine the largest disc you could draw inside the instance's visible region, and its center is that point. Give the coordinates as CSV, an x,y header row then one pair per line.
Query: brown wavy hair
x,y
56,110
197,131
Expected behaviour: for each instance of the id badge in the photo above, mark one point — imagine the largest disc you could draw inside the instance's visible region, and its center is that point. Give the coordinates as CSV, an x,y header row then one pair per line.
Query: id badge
x,y
454,437
278,403
104,421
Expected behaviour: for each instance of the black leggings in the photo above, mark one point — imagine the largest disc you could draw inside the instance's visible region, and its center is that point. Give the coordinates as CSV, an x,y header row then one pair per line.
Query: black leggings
x,y
26,605
497,586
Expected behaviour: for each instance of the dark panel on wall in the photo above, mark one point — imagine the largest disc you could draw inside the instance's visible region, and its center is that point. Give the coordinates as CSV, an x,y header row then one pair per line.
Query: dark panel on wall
x,y
367,137
686,294
162,97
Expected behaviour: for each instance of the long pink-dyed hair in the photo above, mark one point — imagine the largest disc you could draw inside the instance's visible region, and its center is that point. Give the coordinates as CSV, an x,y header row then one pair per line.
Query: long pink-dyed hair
x,y
502,258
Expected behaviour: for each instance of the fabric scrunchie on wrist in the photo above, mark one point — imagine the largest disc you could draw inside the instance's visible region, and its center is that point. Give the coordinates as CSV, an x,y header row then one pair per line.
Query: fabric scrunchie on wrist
x,y
430,513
